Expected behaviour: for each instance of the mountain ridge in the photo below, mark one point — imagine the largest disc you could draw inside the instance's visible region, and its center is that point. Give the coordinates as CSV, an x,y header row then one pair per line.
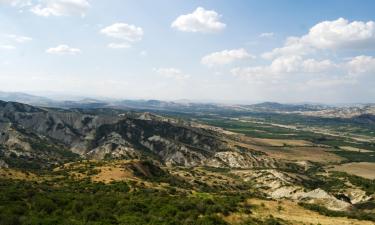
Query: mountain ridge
x,y
135,135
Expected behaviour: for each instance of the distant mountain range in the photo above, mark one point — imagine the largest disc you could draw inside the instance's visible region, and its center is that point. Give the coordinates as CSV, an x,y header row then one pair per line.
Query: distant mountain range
x,y
24,98
316,110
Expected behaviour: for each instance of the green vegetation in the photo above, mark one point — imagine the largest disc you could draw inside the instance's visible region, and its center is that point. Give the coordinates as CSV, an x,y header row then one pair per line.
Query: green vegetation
x,y
72,202
354,214
365,184
357,156
46,154
153,194
269,221
259,125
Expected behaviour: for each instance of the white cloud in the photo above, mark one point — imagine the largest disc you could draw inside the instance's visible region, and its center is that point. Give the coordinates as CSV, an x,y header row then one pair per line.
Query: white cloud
x,y
200,20
18,38
285,67
257,74
338,34
286,64
16,3
266,35
123,31
7,47
60,8
225,57
342,34
172,73
296,64
119,45
292,46
63,50
361,65
315,66
295,70
11,41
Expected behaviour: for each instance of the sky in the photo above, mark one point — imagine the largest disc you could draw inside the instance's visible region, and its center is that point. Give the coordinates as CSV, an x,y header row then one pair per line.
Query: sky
x,y
238,51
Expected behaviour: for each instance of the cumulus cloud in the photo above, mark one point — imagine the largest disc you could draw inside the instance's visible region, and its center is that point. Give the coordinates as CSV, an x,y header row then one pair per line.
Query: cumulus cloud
x,y
316,66
60,8
342,34
225,57
172,73
283,67
338,34
285,64
296,64
361,65
201,20
312,72
63,50
292,46
123,31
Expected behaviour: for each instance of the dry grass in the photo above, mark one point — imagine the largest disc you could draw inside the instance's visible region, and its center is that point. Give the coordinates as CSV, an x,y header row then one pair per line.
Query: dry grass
x,y
295,214
353,149
314,154
362,169
280,142
17,175
108,174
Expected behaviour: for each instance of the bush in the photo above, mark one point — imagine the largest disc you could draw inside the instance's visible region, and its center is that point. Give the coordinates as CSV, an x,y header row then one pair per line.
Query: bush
x,y
83,202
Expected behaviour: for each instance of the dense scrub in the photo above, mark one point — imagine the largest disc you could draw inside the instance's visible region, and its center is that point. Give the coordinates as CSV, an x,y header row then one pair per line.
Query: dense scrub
x,y
354,214
23,202
365,184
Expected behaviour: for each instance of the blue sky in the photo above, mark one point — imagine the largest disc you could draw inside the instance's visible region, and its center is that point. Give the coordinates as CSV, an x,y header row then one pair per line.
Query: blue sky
x,y
226,51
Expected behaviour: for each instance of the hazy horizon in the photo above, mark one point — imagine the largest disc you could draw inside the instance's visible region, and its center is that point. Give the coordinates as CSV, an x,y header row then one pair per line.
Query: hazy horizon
x,y
71,97
203,51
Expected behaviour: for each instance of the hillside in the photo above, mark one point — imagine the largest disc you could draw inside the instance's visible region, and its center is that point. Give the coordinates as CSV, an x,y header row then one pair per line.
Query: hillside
x,y
27,130
223,170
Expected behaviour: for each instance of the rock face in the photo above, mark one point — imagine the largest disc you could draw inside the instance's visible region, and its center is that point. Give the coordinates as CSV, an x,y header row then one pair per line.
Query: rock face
x,y
50,136
279,185
3,164
172,143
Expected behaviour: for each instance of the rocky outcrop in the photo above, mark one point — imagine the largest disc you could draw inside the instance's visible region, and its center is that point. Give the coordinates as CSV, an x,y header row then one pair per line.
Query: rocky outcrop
x,y
113,146
3,164
174,143
33,132
280,185
237,159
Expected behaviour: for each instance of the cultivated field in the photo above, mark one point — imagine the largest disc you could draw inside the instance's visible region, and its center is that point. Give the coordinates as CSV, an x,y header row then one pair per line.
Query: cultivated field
x,y
362,169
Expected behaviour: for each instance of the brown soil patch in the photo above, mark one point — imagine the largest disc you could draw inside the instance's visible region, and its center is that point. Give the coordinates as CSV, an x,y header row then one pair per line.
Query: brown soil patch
x,y
292,212
362,169
108,174
280,142
17,175
314,154
353,149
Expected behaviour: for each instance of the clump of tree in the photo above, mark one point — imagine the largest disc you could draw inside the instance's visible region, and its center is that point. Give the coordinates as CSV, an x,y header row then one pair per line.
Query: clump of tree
x,y
85,202
354,214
